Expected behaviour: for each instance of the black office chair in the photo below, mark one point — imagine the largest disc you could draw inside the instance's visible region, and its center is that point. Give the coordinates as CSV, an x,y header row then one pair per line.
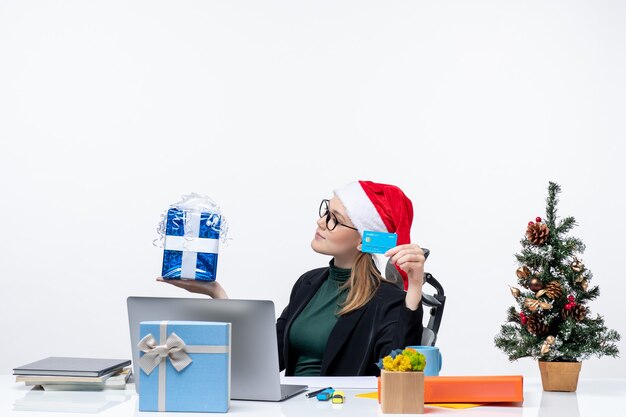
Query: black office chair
x,y
436,302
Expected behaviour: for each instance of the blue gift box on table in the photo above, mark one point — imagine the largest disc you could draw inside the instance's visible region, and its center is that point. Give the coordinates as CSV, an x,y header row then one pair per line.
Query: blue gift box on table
x,y
185,366
191,244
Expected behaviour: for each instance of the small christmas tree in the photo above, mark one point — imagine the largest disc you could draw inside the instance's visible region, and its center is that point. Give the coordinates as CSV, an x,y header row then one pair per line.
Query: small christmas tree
x,y
552,321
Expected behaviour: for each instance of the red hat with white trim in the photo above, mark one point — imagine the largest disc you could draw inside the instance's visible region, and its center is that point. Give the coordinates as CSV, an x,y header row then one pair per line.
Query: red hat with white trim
x,y
380,208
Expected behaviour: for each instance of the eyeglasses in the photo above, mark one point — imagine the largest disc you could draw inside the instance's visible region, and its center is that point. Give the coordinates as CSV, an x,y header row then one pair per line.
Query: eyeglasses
x,y
331,220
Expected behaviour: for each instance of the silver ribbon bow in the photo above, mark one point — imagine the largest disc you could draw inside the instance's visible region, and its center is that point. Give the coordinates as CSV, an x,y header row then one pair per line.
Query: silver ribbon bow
x,y
174,348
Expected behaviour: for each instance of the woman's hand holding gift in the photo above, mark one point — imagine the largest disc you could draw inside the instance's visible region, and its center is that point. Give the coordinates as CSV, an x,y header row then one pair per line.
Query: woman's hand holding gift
x,y
211,288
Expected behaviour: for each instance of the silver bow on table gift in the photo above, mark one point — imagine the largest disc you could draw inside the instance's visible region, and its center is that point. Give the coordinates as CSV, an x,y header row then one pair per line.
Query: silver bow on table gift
x,y
174,348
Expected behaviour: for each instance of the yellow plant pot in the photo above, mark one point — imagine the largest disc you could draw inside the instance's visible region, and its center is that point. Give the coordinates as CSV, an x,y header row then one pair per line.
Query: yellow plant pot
x,y
559,376
402,392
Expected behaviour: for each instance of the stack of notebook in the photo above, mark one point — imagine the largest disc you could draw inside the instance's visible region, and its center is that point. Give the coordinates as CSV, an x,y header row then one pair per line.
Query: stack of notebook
x,y
60,373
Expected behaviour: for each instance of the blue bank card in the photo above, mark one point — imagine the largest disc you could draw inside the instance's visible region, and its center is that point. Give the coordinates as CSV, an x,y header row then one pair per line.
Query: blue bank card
x,y
378,242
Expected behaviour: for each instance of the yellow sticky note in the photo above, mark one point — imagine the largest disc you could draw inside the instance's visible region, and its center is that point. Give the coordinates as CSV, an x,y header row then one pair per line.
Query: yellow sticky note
x,y
456,406
372,395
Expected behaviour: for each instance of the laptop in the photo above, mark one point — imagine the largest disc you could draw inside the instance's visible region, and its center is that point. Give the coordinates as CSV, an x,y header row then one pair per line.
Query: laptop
x,y
254,350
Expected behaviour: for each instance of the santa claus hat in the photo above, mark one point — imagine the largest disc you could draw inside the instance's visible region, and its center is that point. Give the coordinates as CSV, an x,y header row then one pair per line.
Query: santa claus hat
x,y
380,208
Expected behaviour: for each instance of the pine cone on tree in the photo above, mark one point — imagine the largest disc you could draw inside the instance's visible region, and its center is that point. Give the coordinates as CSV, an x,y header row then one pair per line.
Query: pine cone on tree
x,y
554,290
536,326
576,312
537,233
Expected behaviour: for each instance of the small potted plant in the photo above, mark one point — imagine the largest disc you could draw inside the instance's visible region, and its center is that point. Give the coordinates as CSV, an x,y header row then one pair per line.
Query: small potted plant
x,y
402,382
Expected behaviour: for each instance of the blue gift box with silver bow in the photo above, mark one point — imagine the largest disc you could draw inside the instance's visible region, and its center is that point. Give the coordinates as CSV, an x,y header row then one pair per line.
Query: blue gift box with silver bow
x,y
191,244
185,366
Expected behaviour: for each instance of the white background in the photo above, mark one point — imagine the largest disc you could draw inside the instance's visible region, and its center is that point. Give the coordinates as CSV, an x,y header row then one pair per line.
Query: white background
x,y
110,110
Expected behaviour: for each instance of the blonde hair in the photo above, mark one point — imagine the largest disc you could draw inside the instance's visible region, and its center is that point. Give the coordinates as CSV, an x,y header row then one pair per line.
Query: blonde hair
x,y
364,280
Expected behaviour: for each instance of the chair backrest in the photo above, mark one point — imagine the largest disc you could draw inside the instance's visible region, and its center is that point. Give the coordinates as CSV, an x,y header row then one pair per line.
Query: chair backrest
x,y
435,302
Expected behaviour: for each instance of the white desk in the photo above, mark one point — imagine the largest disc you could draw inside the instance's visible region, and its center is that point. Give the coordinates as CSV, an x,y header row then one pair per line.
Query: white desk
x,y
595,397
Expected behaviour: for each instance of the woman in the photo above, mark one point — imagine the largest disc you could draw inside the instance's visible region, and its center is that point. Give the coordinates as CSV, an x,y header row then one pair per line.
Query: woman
x,y
341,319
